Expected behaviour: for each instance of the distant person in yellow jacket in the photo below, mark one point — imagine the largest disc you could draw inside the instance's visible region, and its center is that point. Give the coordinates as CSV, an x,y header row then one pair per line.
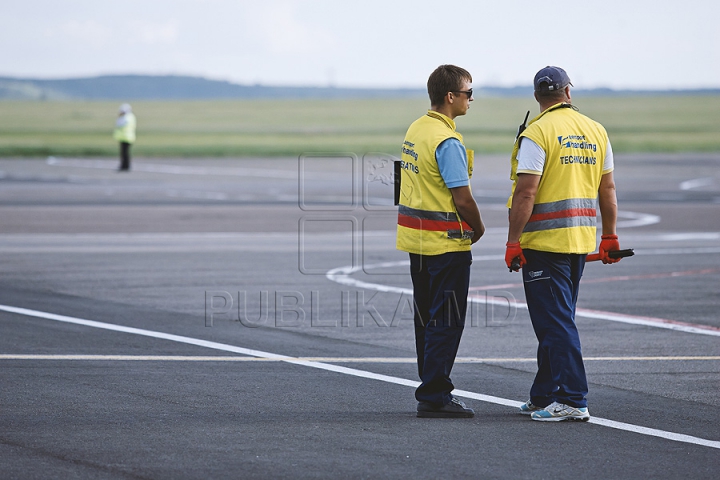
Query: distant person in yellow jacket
x,y
125,134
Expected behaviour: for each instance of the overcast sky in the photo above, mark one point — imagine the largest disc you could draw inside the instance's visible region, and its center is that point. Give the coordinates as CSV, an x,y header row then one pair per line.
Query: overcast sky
x,y
367,43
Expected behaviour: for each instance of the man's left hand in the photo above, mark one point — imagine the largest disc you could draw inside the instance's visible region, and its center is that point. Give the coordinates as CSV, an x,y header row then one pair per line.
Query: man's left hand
x,y
608,243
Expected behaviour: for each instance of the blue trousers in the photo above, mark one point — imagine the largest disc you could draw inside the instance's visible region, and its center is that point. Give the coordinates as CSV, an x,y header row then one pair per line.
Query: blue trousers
x,y
551,283
440,290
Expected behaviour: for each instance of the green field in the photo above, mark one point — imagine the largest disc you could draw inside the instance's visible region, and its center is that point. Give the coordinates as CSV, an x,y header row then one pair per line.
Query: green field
x,y
291,127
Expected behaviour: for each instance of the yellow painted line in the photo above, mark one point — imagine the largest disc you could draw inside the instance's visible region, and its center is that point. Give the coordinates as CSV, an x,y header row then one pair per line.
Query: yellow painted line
x,y
185,358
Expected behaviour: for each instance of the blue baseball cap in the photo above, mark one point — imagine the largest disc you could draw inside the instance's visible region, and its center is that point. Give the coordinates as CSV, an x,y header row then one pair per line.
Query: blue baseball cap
x,y
551,79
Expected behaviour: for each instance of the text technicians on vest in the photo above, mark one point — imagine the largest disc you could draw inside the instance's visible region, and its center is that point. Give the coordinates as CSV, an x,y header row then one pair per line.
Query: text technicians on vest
x,y
560,164
438,220
125,134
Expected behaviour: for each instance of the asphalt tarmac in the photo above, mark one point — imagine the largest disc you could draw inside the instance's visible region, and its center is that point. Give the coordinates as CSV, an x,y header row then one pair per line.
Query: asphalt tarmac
x,y
250,318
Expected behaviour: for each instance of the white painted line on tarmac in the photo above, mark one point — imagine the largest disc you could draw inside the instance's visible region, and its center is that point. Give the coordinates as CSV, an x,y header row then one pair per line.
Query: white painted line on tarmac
x,y
678,251
201,358
682,237
345,370
636,219
341,275
176,169
677,437
137,358
648,321
619,278
684,273
696,183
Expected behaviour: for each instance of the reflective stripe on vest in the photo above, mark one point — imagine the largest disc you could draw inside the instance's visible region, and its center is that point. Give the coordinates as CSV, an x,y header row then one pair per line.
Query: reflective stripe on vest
x,y
573,212
433,221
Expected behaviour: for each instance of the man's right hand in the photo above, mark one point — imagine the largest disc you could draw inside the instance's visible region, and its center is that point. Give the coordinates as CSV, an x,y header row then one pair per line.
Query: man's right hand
x,y
512,252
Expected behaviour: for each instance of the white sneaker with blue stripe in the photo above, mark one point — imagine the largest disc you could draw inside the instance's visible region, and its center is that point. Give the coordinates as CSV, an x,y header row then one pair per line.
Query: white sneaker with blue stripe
x,y
528,408
557,412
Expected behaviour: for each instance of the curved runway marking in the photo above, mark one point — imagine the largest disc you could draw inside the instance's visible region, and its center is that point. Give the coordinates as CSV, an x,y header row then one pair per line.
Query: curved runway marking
x,y
636,219
341,275
628,427
620,278
696,183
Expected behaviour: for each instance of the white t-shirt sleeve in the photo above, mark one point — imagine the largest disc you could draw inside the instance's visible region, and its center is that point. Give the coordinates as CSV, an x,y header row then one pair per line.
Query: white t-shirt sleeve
x,y
609,164
531,158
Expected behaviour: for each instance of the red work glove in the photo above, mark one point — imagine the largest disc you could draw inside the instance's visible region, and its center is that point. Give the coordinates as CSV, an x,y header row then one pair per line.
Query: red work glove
x,y
512,252
608,244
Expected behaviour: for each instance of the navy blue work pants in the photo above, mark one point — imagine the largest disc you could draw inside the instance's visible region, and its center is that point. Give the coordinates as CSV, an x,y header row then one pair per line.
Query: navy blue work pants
x,y
440,290
124,156
551,288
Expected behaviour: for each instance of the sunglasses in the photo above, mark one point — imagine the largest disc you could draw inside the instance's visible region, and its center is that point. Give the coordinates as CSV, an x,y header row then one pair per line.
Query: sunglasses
x,y
469,93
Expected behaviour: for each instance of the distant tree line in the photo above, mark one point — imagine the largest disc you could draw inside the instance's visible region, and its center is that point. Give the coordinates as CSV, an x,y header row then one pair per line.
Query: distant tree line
x,y
174,87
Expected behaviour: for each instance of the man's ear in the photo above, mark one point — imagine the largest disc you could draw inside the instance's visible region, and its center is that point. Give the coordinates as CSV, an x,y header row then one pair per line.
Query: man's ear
x,y
567,93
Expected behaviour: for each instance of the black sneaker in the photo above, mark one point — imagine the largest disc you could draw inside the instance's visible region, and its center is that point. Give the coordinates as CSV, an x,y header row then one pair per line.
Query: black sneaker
x,y
454,409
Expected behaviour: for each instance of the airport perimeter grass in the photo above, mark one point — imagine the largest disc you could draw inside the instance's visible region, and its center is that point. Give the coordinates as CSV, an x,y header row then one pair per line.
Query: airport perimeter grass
x,y
292,127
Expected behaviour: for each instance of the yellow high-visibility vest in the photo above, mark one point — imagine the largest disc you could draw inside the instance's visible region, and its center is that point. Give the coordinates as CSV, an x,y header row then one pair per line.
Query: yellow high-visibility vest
x,y
125,128
564,217
428,221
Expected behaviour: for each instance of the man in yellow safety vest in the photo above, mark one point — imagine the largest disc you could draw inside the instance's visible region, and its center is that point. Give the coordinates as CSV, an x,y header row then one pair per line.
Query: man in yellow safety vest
x,y
438,220
125,134
562,162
